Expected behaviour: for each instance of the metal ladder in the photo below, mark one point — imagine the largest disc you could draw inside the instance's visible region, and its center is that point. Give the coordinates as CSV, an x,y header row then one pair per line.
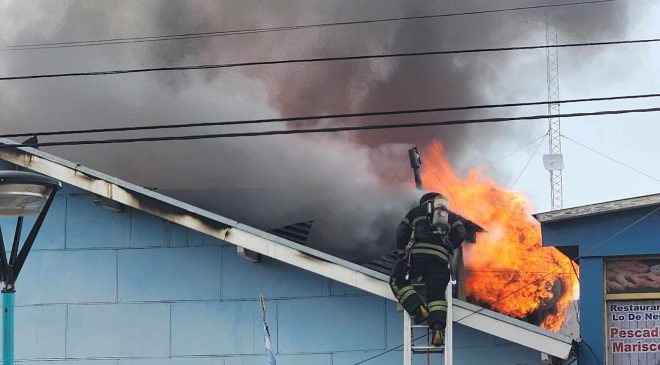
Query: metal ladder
x,y
410,348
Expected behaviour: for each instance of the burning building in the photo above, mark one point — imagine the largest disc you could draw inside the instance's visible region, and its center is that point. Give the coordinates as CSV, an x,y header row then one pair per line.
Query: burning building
x,y
507,269
616,243
161,281
257,192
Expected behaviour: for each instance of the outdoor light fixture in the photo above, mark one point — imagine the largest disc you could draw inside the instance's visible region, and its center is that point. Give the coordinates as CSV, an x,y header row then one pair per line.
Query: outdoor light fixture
x,y
21,194
109,204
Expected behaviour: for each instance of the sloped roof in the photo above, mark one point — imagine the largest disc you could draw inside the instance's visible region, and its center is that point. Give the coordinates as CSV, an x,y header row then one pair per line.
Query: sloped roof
x,y
271,245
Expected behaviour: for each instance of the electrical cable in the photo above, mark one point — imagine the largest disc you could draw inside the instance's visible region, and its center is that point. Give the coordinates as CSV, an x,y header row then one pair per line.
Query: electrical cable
x,y
502,298
620,163
527,164
388,351
330,129
517,272
327,116
142,39
518,150
575,306
591,350
612,159
451,195
329,59
403,161
602,242
428,343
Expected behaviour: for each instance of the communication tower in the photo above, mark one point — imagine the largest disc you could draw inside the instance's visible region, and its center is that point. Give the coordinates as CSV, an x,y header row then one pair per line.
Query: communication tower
x,y
553,160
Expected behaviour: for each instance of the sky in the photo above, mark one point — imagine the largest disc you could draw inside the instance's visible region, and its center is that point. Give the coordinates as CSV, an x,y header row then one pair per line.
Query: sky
x,y
631,139
351,184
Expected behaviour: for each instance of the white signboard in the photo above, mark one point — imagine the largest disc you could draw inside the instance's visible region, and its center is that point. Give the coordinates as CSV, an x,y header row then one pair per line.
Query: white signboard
x,y
633,332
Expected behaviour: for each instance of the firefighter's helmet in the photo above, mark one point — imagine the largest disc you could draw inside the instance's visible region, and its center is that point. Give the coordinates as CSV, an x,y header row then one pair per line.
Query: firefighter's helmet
x,y
428,196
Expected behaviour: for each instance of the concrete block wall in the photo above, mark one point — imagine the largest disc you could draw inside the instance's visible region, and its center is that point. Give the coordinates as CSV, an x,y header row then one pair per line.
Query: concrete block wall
x,y
107,288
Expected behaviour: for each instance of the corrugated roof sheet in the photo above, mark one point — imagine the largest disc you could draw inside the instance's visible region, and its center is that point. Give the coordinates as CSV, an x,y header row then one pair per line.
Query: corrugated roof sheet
x,y
599,208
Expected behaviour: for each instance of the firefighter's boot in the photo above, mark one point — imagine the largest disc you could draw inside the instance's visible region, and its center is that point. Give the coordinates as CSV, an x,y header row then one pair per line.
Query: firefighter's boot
x,y
422,315
437,339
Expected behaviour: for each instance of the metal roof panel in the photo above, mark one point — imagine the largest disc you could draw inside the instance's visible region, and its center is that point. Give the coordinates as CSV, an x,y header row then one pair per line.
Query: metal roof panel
x,y
598,208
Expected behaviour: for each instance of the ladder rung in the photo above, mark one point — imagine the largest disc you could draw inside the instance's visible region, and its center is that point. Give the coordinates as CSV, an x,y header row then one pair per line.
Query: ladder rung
x,y
425,349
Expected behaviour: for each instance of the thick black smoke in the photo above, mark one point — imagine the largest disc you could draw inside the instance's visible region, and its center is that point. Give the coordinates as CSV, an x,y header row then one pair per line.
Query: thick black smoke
x,y
345,182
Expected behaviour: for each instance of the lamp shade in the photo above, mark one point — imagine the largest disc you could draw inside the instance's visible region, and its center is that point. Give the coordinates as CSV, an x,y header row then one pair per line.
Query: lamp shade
x,y
24,193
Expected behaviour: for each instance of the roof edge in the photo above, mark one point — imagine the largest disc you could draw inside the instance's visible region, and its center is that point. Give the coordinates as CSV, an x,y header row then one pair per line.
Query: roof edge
x,y
267,244
598,208
127,193
512,329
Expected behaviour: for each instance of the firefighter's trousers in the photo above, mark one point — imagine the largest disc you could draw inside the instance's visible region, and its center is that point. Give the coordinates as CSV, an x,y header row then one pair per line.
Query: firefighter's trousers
x,y
435,274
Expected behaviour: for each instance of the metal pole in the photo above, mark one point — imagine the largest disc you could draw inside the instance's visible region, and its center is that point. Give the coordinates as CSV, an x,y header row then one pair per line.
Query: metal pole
x,y
416,164
8,327
449,329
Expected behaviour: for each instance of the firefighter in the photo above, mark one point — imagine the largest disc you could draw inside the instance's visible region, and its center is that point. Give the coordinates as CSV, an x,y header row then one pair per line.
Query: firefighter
x,y
425,240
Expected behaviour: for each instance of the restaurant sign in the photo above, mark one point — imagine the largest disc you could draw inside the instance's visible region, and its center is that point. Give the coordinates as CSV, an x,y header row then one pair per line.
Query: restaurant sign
x,y
633,321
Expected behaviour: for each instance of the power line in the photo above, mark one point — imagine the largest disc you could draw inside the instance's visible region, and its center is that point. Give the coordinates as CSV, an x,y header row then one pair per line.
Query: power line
x,y
510,153
516,272
527,164
575,306
387,351
602,242
143,39
326,116
612,159
451,195
329,129
403,161
591,350
327,59
571,260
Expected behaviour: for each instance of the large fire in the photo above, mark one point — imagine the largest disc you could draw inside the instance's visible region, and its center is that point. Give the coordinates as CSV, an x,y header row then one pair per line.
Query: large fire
x,y
507,270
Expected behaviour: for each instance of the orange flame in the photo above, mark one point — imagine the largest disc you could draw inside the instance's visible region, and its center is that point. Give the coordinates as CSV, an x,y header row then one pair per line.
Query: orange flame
x,y
507,270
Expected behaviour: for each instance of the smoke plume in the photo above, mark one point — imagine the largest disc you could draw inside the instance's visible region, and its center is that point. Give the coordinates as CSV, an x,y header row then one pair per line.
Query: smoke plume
x,y
355,186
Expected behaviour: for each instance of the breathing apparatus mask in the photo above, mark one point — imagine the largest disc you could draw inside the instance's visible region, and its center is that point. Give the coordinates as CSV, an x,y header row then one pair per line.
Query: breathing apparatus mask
x,y
437,210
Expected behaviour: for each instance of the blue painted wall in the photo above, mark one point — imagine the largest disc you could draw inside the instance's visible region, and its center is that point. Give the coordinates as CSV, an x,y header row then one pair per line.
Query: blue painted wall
x,y
592,307
106,288
624,233
598,236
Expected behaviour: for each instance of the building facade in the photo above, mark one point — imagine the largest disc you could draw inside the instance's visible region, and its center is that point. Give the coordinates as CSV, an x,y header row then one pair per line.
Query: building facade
x,y
618,247
118,285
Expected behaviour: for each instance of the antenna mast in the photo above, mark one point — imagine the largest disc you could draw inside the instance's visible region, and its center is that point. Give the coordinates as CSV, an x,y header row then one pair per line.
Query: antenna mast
x,y
553,161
